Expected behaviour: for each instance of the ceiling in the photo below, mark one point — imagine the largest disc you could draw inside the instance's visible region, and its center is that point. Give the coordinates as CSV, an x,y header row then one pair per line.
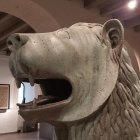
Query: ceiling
x,y
9,25
117,9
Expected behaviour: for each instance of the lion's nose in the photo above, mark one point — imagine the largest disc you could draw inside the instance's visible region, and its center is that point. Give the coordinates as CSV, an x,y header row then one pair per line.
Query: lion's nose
x,y
15,41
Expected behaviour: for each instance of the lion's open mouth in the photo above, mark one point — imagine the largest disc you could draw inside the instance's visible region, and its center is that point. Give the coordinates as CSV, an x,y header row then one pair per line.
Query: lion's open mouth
x,y
54,92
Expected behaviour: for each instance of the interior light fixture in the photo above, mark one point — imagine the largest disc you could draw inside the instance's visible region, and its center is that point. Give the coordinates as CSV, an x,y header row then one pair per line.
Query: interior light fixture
x,y
132,4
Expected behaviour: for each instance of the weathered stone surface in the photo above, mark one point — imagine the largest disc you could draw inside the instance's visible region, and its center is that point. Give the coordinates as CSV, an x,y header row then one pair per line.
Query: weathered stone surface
x,y
98,96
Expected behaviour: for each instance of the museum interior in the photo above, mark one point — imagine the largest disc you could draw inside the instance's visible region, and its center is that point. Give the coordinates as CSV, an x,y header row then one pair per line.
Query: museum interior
x,y
41,16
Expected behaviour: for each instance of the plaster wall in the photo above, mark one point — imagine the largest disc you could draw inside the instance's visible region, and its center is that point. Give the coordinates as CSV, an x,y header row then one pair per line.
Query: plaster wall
x,y
8,120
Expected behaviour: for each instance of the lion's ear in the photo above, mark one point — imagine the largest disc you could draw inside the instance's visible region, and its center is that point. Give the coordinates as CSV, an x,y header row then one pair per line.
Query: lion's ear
x,y
113,34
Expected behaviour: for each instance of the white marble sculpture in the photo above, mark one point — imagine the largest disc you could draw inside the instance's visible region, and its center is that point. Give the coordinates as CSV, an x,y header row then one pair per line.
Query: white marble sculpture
x,y
91,91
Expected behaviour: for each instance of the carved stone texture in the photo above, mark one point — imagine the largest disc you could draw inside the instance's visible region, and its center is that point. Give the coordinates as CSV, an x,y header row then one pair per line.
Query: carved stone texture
x,y
90,90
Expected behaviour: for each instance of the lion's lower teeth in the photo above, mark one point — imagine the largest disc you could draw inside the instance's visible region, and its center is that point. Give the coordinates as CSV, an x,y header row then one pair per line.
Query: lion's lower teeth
x,y
41,101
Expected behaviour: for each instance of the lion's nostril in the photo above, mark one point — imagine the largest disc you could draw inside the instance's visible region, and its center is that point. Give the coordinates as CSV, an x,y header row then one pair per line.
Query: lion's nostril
x,y
9,42
17,37
15,41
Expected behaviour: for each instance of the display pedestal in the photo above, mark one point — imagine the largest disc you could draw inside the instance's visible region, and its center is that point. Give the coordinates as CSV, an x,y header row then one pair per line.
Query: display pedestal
x,y
29,127
46,131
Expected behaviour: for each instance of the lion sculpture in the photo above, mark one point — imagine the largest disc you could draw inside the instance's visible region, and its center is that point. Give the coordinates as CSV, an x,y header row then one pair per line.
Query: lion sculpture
x,y
90,90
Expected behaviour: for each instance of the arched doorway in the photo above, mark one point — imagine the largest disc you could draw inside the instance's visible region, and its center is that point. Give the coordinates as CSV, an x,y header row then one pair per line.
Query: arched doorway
x,y
30,12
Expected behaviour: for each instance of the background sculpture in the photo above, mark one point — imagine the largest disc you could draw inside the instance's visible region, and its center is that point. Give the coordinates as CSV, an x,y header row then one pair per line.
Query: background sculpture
x,y
91,91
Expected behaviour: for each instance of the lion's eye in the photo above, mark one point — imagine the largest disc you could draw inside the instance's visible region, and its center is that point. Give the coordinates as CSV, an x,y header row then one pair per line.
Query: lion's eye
x,y
63,34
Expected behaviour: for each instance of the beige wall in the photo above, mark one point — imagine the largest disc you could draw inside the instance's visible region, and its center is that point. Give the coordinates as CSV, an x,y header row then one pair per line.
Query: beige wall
x,y
8,120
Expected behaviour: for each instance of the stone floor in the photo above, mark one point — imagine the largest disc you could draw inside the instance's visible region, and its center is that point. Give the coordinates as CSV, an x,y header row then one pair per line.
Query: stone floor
x,y
20,136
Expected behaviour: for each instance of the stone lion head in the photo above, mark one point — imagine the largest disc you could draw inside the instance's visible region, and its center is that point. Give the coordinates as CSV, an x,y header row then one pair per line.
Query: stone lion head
x,y
82,70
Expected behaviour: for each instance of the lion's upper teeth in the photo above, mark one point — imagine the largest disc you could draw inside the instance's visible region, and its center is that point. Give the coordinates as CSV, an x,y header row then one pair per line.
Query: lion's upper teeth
x,y
31,80
18,83
34,102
